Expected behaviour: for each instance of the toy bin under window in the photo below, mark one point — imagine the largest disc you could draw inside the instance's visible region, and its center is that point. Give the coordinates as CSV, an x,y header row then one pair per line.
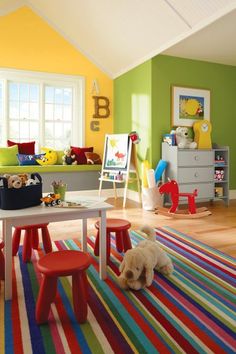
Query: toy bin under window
x,y
24,197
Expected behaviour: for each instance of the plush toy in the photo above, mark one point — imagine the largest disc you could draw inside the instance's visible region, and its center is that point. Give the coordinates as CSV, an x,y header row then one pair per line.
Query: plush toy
x,y
93,158
69,158
134,137
23,177
49,158
137,267
14,182
30,182
182,139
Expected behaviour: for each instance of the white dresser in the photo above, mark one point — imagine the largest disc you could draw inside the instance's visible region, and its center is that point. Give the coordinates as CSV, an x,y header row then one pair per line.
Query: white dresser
x,y
192,169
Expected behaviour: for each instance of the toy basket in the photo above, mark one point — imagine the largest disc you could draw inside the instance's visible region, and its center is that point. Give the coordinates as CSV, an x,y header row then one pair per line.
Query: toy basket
x,y
12,198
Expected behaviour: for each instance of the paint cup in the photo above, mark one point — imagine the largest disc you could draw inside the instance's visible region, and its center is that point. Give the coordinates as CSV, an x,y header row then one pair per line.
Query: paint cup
x,y
60,190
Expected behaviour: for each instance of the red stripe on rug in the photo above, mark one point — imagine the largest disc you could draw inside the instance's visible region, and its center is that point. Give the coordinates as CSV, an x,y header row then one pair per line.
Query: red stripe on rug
x,y
185,319
16,324
211,263
173,332
196,312
195,245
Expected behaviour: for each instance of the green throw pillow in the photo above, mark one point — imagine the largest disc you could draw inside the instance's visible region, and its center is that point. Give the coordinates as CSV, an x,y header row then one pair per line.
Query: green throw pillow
x,y
8,156
60,153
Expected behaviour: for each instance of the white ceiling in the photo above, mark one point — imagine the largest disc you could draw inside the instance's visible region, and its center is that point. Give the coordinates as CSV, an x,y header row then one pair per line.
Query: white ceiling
x,y
117,35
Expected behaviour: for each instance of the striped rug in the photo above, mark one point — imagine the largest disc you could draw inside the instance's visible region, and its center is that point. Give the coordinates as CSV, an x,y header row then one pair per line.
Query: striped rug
x,y
191,312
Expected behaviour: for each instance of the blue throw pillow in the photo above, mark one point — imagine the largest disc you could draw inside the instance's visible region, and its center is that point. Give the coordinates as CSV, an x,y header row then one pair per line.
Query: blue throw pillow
x,y
27,160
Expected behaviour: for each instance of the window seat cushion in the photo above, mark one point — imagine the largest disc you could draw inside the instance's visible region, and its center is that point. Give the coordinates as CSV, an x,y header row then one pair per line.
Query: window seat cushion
x,y
48,168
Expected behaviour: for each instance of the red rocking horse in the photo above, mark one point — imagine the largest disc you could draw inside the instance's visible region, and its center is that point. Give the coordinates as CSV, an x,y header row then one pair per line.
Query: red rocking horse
x,y
171,187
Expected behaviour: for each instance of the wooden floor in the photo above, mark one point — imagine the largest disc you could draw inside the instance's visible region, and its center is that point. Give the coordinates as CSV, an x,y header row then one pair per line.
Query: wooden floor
x,y
217,230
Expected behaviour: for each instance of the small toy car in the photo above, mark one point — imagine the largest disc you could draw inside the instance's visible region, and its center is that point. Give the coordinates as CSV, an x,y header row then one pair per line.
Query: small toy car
x,y
51,199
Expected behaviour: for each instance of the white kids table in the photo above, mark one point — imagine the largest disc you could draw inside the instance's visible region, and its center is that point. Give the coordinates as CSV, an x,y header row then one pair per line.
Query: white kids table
x,y
93,208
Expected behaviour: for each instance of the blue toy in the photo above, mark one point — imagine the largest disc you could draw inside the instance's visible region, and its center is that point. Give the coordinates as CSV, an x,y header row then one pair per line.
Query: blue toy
x,y
161,166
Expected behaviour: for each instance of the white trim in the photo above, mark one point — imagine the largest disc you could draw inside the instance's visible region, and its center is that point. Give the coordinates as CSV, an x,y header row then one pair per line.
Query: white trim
x,y
76,82
232,194
132,195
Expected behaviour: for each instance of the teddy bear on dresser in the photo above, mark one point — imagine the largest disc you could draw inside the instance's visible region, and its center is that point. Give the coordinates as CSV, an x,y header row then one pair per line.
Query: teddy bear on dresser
x,y
183,140
69,158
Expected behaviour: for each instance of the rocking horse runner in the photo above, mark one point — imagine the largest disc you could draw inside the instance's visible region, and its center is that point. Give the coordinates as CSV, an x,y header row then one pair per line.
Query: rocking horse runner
x,y
171,187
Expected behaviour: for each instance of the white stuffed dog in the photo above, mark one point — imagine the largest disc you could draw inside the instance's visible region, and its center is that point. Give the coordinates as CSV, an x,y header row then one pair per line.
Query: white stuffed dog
x,y
137,266
182,139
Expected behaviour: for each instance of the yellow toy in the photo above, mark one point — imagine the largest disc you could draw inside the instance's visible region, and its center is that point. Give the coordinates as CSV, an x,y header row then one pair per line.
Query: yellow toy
x,y
50,157
202,134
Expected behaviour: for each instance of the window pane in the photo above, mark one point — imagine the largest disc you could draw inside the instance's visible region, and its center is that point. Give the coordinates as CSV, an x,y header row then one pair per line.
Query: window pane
x,y
58,131
14,109
34,130
67,113
49,131
49,94
48,111
67,132
58,112
50,143
34,111
24,92
14,91
67,96
58,95
14,130
24,130
24,110
34,93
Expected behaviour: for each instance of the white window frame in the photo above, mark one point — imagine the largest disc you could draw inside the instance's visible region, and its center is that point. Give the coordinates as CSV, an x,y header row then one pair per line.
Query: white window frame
x,y
76,82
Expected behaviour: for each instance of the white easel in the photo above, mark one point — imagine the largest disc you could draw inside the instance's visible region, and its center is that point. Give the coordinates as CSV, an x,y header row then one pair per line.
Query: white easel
x,y
131,167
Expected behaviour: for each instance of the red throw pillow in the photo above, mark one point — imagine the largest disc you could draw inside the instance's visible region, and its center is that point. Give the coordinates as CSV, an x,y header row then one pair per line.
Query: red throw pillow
x,y
80,154
24,148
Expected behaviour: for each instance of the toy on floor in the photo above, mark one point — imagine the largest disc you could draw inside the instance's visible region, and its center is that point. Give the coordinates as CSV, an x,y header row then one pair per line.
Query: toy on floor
x,y
171,187
137,267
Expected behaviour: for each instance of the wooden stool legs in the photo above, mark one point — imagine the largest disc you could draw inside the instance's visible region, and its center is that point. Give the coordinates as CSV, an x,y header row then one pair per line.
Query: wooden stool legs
x,y
47,294
31,240
59,264
80,296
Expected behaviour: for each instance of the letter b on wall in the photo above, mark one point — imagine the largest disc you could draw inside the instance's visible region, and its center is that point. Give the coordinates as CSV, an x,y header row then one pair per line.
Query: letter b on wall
x,y
101,107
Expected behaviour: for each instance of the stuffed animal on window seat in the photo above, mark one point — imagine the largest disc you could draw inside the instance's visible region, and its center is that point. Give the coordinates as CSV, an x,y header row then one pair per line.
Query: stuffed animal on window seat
x,y
69,158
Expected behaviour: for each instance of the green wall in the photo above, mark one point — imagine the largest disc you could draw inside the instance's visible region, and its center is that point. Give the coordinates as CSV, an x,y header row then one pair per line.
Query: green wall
x,y
132,106
165,71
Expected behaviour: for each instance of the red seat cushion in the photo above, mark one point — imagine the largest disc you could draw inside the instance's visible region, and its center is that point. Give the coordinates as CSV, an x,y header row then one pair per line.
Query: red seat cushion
x,y
24,148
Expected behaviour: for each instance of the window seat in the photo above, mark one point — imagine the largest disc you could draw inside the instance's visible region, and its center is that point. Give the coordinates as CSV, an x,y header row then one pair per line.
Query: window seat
x,y
77,177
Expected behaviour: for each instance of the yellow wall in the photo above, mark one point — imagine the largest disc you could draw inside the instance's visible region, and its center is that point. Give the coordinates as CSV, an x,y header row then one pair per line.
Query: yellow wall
x,y
27,42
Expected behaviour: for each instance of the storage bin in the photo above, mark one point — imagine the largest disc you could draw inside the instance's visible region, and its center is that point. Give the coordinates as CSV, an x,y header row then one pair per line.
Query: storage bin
x,y
24,197
151,198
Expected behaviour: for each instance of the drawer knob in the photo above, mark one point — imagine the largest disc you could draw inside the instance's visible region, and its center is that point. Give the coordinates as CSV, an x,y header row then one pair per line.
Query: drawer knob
x,y
196,157
196,174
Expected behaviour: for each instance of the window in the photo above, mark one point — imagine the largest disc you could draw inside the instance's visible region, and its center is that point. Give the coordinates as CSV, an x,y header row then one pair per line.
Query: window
x,y
47,108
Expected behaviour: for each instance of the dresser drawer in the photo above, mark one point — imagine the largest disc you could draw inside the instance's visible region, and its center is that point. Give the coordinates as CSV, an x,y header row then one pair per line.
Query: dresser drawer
x,y
195,175
195,158
205,190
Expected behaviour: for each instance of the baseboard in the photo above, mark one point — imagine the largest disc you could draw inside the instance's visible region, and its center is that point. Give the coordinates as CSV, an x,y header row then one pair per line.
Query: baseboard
x,y
232,194
132,195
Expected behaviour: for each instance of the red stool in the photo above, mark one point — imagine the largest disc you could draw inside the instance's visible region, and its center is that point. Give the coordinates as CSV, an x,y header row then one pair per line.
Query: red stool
x,y
58,264
2,261
120,227
31,240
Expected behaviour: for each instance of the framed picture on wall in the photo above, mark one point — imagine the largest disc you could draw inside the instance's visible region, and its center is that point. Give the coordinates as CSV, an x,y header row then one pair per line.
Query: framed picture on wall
x,y
189,105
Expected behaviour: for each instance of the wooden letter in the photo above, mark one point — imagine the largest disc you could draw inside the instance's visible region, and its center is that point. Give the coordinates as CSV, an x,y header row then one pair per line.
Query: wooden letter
x,y
101,103
94,125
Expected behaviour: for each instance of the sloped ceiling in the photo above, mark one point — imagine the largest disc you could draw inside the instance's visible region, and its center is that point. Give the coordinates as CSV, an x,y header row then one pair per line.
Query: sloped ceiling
x,y
117,35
